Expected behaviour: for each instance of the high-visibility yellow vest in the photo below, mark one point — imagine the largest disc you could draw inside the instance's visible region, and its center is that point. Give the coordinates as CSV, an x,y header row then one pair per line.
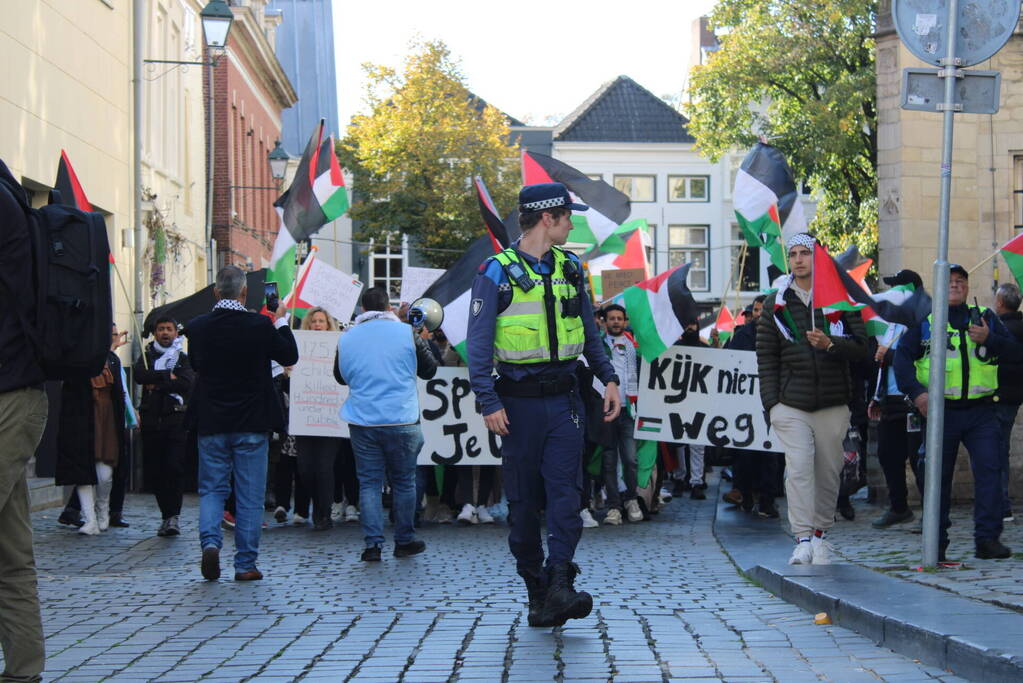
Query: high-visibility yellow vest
x,y
534,328
966,375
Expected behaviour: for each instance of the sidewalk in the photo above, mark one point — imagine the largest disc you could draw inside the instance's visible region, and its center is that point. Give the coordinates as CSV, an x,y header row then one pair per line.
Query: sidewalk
x,y
969,621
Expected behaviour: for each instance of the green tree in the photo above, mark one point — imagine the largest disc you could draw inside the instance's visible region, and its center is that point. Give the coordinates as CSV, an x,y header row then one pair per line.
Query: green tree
x,y
415,153
801,74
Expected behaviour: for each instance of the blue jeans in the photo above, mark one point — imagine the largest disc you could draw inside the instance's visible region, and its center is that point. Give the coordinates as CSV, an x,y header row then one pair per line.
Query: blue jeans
x,y
390,450
244,455
1006,413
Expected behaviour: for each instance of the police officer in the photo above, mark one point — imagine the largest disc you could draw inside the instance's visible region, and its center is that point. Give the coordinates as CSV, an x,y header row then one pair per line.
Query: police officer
x,y
976,340
529,311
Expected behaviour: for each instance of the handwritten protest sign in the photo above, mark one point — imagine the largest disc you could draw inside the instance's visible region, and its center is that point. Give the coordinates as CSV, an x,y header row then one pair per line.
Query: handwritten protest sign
x,y
614,282
332,289
703,396
315,396
454,431
415,281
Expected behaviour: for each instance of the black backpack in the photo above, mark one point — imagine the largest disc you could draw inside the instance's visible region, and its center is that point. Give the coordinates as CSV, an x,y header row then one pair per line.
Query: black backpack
x,y
74,310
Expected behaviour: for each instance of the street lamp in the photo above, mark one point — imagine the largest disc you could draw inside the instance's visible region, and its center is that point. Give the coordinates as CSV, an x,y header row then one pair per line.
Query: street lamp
x,y
216,24
278,159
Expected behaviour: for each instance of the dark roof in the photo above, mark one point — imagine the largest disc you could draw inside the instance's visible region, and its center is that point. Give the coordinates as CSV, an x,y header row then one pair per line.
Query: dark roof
x,y
480,104
623,111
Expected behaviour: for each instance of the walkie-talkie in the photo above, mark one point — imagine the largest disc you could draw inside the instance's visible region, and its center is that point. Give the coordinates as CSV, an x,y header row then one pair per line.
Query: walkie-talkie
x,y
975,317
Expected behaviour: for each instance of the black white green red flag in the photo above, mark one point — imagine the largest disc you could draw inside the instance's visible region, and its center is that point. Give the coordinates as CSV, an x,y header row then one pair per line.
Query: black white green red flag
x,y
1012,252
659,309
316,197
610,241
766,201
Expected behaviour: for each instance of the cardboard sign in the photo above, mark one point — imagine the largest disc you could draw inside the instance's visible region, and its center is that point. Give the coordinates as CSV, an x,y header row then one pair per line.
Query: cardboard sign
x,y
454,431
334,290
316,397
614,282
415,281
703,396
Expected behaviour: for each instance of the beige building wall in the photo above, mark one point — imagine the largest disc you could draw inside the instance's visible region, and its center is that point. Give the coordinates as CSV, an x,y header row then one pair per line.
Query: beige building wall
x,y
987,169
174,149
65,83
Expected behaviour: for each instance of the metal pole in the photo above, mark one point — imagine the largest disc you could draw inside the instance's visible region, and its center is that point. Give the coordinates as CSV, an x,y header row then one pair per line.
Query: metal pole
x,y
939,313
210,137
139,27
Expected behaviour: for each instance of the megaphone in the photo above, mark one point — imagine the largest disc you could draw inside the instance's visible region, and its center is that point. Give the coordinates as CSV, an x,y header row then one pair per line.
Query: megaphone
x,y
425,313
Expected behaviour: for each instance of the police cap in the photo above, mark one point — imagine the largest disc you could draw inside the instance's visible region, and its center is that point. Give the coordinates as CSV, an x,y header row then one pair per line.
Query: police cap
x,y
546,196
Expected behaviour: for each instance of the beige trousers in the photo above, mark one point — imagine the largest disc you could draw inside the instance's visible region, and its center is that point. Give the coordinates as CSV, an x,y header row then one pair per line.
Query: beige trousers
x,y
813,463
22,418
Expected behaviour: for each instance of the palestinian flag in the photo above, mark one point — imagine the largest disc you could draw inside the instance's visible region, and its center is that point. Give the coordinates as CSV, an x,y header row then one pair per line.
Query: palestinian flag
x,y
894,306
70,190
659,309
316,197
452,289
896,296
609,239
725,324
1012,252
766,201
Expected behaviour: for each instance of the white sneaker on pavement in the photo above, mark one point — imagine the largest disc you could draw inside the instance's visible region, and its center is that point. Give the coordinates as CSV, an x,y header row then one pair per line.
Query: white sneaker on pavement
x,y
467,515
483,515
280,514
587,517
351,514
298,520
90,528
614,517
632,508
337,512
665,495
803,553
822,550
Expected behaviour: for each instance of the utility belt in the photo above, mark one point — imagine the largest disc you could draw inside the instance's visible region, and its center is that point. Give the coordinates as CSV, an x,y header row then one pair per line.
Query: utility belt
x,y
535,388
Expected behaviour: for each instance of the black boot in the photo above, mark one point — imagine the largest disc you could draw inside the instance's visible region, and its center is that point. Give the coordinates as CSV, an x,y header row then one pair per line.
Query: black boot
x,y
563,601
536,587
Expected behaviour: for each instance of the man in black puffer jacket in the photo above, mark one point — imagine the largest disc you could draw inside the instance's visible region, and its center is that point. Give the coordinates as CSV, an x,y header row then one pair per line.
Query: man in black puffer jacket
x,y
806,385
1010,382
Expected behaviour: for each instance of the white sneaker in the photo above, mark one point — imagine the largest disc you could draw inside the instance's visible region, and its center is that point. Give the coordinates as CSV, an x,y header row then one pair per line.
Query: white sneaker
x,y
298,520
632,508
665,495
337,512
614,517
351,514
587,517
103,514
822,550
483,515
90,528
803,553
280,514
467,515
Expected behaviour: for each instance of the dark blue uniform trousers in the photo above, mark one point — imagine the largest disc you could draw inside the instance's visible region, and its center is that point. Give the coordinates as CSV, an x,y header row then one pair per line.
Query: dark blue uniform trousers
x,y
977,428
542,464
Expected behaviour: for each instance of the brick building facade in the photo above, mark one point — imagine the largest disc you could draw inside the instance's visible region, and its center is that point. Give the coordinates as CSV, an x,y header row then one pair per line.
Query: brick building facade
x,y
250,89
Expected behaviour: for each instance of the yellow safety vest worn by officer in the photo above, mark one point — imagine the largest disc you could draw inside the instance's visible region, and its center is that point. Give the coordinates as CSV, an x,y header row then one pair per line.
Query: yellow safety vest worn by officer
x,y
966,375
543,322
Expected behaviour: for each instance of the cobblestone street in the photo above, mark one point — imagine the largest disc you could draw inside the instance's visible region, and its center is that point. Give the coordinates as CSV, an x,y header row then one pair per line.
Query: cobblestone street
x,y
668,604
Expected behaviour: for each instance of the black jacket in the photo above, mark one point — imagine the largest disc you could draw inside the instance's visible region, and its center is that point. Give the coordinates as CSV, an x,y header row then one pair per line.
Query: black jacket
x,y
1010,375
231,353
76,450
795,373
18,367
160,410
744,338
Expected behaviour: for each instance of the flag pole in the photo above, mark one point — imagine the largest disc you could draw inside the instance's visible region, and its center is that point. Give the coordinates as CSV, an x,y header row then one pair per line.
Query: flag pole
x,y
742,268
984,261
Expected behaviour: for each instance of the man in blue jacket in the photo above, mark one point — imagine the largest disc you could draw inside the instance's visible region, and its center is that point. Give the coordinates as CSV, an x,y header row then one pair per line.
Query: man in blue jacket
x,y
975,346
379,358
529,310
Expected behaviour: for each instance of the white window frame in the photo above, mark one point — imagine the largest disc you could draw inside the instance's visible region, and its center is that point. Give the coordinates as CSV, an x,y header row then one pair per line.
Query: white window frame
x,y
392,250
679,253
687,183
653,185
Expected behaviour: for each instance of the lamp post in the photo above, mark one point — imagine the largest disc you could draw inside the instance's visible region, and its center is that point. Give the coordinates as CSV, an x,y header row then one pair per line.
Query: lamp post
x,y
278,159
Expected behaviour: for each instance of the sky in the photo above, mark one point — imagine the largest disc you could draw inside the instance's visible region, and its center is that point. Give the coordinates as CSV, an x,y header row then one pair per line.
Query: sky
x,y
535,60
